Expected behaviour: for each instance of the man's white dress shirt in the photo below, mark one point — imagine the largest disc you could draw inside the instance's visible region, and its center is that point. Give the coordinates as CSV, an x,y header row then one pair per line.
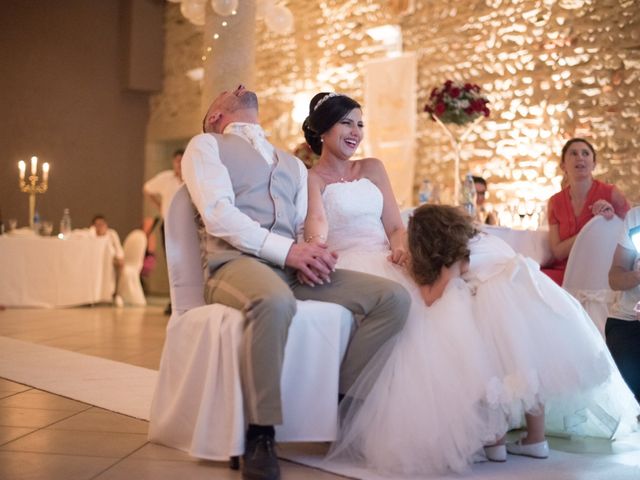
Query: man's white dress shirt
x,y
212,193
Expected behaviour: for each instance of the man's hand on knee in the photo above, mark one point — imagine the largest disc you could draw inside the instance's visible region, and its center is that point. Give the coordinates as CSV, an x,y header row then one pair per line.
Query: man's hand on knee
x,y
314,262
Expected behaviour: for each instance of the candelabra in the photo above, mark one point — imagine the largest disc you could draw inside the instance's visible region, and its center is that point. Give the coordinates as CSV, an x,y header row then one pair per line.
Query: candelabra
x,y
32,187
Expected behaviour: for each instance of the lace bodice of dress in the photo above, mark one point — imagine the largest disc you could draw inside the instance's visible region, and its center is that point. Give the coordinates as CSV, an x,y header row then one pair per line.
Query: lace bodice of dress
x,y
354,211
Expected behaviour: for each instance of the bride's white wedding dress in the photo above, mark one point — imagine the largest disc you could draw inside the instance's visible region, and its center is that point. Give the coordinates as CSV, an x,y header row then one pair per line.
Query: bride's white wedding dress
x,y
496,343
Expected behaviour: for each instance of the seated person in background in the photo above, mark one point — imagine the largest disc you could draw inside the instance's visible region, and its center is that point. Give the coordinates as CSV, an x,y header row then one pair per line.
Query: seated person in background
x,y
100,228
623,326
579,201
481,193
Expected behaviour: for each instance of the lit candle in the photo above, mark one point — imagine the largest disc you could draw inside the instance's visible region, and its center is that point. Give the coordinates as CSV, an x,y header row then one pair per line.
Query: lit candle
x,y
45,172
34,165
22,166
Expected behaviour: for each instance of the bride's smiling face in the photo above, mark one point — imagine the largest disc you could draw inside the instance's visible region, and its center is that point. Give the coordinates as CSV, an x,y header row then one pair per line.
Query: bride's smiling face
x,y
343,138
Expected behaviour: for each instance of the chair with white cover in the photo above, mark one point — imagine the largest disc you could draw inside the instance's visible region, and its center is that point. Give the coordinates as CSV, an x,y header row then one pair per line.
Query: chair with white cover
x,y
587,274
129,285
198,404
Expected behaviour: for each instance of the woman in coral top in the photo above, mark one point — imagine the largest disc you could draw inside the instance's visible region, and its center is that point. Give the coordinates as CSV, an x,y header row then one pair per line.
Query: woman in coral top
x,y
579,201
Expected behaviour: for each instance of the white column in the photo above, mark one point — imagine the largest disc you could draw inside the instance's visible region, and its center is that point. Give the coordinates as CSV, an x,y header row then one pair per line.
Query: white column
x,y
231,60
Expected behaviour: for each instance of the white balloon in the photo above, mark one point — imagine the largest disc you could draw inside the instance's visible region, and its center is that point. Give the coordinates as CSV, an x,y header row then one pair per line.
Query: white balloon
x,y
193,10
224,7
279,19
262,7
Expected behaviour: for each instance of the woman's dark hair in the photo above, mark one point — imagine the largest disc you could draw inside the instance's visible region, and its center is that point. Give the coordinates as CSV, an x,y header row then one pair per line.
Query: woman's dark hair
x,y
438,237
575,140
325,110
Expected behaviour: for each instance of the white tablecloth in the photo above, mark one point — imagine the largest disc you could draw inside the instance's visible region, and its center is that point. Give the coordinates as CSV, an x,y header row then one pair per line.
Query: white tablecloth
x,y
530,243
49,272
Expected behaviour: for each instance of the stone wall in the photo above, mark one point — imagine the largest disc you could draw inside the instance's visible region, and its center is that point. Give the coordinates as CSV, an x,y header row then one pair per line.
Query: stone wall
x,y
175,112
551,69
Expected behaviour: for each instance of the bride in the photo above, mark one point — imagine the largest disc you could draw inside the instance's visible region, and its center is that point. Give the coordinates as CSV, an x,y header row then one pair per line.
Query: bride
x,y
434,395
425,391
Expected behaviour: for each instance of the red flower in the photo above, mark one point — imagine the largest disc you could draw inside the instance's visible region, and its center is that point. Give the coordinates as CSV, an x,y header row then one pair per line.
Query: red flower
x,y
446,103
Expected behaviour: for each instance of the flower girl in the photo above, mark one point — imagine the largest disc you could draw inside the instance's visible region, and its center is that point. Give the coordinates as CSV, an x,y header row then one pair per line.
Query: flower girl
x,y
543,345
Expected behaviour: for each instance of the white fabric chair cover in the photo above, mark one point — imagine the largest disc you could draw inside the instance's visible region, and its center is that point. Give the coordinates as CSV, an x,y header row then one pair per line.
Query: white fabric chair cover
x,y
198,405
587,274
129,285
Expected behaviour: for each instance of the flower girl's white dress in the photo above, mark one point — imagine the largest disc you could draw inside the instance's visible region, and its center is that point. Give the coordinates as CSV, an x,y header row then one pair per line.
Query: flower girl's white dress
x,y
497,343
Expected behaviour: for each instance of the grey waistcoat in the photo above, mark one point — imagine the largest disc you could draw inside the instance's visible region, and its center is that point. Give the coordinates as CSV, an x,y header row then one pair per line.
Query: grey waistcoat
x,y
266,193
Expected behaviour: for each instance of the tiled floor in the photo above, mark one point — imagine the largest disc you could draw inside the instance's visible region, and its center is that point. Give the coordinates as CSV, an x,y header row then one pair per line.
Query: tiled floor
x,y
48,437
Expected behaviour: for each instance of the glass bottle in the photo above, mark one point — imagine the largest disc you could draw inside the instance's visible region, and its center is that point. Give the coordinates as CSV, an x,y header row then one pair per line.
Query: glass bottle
x,y
424,194
36,222
469,195
65,223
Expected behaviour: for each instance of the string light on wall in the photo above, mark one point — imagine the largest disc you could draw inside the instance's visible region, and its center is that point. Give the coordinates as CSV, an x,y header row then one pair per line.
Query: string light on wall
x,y
277,17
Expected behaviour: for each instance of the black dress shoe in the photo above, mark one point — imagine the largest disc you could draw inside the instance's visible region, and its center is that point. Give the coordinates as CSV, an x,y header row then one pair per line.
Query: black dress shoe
x,y
260,461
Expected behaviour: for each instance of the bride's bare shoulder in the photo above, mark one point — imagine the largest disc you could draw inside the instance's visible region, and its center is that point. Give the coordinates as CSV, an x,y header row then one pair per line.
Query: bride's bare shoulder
x,y
372,168
314,179
370,165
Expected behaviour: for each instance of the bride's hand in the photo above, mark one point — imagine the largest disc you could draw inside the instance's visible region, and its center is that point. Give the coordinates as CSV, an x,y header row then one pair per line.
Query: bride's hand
x,y
314,261
399,256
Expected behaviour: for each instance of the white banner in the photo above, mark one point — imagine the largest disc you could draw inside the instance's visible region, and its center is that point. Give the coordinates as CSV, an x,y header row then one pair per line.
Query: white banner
x,y
390,112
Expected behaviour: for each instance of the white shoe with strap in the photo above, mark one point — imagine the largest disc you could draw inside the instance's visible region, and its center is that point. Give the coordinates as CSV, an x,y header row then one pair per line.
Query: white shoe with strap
x,y
533,450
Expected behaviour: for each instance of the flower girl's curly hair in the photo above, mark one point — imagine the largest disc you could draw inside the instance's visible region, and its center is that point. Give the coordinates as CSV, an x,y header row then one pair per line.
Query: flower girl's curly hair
x,y
438,237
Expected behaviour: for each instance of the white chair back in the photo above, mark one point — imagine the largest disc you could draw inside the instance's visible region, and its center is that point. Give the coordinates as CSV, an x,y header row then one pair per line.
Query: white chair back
x,y
587,274
198,403
134,247
129,285
186,276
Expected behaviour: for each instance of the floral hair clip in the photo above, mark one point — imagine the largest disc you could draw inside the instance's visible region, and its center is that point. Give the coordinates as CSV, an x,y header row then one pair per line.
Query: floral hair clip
x,y
327,97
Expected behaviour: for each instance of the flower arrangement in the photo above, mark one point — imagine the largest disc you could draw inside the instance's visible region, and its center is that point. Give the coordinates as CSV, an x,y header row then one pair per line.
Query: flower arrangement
x,y
457,103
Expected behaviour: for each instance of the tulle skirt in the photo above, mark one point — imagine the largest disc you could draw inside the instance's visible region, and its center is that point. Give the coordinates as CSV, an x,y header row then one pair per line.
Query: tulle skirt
x,y
549,352
501,343
422,404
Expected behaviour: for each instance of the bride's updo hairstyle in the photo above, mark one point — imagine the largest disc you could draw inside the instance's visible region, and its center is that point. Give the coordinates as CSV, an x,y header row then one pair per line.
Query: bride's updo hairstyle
x,y
325,110
438,236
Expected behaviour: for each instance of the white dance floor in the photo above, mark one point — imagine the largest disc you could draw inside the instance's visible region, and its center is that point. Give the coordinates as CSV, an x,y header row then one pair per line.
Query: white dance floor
x,y
128,389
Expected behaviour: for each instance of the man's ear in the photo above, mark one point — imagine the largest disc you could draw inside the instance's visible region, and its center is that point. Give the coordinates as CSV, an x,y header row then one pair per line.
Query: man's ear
x,y
211,119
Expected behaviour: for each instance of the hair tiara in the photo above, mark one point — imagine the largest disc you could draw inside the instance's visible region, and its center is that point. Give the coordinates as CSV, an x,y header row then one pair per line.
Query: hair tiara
x,y
327,97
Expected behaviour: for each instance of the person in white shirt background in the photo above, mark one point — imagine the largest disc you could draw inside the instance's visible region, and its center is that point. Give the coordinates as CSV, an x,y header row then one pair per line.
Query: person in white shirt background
x,y
623,325
160,189
100,228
